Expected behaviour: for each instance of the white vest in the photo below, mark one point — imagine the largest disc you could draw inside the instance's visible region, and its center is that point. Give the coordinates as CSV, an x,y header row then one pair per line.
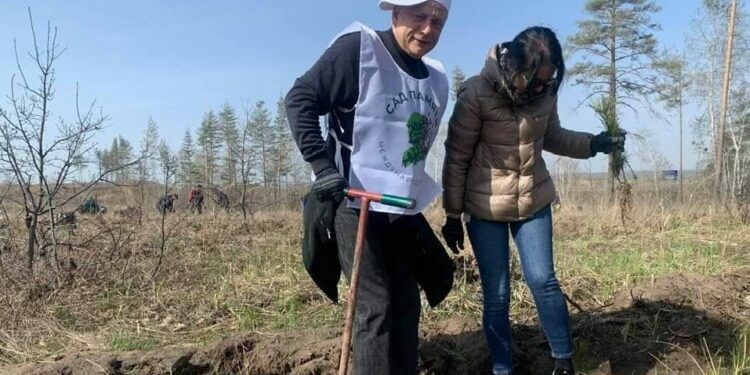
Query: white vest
x,y
396,121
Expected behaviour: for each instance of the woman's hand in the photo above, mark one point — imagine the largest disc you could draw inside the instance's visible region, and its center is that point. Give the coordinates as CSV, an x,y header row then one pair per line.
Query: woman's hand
x,y
453,233
605,142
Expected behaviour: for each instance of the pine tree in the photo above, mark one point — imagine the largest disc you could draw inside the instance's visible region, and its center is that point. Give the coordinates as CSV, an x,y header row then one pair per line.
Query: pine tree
x,y
120,153
112,157
209,140
124,157
101,156
168,164
262,142
282,163
149,143
188,172
617,47
228,125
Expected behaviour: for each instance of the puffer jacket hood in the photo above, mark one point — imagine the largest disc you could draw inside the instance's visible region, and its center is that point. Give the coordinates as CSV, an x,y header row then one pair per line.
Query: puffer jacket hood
x,y
491,70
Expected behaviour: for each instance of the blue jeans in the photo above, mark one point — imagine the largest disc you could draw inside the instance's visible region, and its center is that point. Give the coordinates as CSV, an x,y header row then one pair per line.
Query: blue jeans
x,y
533,238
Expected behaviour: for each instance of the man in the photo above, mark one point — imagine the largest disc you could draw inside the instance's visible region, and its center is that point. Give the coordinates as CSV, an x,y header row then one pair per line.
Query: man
x,y
384,101
195,201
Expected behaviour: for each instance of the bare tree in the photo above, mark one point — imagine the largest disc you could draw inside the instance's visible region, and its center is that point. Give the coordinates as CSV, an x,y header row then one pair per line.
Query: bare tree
x,y
736,166
245,160
719,159
168,163
40,156
301,171
709,67
648,153
670,88
565,173
705,38
147,161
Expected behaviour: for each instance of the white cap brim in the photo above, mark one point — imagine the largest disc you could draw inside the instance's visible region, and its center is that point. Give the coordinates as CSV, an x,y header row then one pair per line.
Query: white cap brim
x,y
390,4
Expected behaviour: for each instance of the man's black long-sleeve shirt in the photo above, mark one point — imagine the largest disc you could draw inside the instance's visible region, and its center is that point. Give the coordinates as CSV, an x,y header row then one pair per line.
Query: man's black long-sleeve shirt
x,y
331,87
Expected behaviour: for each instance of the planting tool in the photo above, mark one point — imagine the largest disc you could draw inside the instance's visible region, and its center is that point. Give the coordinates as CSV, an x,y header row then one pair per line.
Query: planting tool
x,y
365,197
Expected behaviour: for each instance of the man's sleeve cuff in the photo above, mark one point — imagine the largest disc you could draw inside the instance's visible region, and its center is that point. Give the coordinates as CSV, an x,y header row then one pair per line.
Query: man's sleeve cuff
x,y
321,163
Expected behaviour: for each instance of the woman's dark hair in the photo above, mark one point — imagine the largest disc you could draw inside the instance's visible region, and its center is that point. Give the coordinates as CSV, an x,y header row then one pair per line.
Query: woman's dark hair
x,y
531,48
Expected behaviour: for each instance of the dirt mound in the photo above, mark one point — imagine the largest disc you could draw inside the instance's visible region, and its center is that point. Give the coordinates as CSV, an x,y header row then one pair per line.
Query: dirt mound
x,y
715,294
669,322
289,353
663,323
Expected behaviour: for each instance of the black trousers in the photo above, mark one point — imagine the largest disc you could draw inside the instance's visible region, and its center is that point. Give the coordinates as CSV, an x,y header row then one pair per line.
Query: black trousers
x,y
386,323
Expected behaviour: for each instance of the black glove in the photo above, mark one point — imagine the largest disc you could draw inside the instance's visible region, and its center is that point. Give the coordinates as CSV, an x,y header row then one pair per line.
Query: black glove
x,y
606,143
453,233
329,185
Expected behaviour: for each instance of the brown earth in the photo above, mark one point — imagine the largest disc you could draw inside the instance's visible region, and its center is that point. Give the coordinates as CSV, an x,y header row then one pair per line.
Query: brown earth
x,y
665,323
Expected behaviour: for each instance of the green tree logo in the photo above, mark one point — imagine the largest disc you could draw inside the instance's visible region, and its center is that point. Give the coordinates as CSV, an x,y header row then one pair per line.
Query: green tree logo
x,y
417,126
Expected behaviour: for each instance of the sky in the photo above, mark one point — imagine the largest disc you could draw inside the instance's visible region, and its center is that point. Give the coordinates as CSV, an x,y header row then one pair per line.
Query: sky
x,y
175,60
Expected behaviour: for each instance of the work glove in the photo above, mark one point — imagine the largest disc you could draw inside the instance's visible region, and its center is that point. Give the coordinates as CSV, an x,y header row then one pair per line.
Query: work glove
x,y
329,185
605,142
453,233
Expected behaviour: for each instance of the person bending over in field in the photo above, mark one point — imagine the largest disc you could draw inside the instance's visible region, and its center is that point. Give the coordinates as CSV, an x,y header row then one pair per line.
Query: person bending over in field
x,y
166,203
195,201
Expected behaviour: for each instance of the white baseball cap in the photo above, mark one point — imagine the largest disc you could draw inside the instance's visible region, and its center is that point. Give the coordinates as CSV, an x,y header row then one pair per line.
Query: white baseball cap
x,y
390,4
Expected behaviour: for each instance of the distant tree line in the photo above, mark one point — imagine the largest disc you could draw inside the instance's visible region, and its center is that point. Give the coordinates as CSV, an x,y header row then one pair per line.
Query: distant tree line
x,y
226,150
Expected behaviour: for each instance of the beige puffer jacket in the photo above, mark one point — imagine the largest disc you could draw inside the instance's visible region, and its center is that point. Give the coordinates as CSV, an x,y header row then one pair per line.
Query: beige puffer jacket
x,y
493,167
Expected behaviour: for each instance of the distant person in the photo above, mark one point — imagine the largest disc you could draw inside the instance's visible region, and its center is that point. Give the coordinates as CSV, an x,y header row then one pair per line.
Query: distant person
x,y
221,198
66,218
384,100
195,200
166,203
90,205
495,176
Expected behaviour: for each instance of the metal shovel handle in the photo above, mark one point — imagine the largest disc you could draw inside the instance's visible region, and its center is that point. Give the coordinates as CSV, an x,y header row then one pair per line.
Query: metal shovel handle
x,y
386,199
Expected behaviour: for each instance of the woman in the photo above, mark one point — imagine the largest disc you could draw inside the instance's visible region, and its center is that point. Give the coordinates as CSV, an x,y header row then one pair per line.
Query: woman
x,y
495,174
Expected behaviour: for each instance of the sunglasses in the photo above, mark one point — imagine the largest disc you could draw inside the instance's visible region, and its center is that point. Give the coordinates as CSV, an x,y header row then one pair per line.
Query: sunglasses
x,y
531,81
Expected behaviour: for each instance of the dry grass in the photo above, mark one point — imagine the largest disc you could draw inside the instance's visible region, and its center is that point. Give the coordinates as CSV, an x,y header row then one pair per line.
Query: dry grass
x,y
222,275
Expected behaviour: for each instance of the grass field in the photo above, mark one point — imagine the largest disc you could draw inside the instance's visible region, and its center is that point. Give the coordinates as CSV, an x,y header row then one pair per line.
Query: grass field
x,y
668,292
